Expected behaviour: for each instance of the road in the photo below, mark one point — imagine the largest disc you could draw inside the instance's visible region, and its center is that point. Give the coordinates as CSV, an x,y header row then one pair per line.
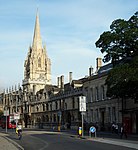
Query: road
x,y
44,140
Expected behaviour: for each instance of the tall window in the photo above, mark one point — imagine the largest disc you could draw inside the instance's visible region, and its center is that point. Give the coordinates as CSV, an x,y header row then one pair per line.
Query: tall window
x,y
43,107
60,104
109,114
47,107
65,106
103,92
56,105
86,92
97,94
91,94
37,108
113,114
54,118
45,95
91,115
97,115
39,62
73,103
47,118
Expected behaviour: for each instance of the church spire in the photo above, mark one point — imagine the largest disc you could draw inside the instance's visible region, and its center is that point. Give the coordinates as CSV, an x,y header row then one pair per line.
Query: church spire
x,y
37,41
37,65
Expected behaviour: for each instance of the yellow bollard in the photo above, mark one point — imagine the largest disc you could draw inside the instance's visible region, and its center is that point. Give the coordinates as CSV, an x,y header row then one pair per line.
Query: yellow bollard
x,y
80,131
59,128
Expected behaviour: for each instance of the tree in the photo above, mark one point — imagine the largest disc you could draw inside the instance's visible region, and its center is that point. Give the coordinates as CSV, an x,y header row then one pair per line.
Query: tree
x,y
1,113
122,41
122,80
121,47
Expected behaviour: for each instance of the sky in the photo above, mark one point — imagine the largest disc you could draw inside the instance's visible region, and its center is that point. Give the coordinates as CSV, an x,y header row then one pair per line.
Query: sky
x,y
69,28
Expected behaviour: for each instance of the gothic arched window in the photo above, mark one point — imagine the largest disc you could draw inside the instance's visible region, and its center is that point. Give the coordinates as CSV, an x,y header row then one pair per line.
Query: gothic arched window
x,y
39,62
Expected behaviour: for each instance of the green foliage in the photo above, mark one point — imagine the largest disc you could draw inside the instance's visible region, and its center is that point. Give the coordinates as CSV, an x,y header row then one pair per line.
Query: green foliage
x,y
122,80
120,46
121,41
1,113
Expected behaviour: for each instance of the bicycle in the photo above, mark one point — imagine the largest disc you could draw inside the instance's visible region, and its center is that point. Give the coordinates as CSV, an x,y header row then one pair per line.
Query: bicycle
x,y
19,134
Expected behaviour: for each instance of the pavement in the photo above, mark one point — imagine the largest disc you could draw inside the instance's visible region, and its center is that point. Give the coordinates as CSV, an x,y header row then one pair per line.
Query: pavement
x,y
104,137
125,143
8,144
109,138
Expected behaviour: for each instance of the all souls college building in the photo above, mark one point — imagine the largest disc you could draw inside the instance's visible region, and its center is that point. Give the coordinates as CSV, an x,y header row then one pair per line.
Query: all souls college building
x,y
43,105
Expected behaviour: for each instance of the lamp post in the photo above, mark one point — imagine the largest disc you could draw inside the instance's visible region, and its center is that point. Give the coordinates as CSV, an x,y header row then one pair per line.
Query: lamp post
x,y
25,109
6,119
16,110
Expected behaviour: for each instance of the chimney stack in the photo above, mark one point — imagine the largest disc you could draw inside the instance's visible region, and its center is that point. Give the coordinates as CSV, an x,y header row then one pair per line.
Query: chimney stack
x,y
58,82
99,63
62,82
70,77
91,71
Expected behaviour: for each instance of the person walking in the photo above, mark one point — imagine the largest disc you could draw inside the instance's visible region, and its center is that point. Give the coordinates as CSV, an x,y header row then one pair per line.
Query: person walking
x,y
113,127
123,131
116,128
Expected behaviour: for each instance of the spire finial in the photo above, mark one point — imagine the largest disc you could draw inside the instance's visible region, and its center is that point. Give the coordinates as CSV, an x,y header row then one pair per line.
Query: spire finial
x,y
37,42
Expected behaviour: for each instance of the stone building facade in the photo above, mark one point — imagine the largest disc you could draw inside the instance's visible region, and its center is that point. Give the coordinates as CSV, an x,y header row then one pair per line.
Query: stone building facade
x,y
102,111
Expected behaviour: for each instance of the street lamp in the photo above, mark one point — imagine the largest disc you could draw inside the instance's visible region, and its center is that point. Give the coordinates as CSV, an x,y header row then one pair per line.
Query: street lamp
x,y
6,113
25,109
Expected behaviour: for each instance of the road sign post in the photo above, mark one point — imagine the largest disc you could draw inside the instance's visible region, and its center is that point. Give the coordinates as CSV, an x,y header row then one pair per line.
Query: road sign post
x,y
16,117
6,113
82,108
92,131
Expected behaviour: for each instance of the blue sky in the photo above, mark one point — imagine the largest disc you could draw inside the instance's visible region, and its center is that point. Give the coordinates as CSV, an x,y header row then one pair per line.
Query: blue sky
x,y
69,28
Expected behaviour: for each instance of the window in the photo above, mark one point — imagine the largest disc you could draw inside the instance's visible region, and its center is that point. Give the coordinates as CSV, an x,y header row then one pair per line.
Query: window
x,y
47,118
37,108
113,114
39,62
54,118
43,107
97,94
45,95
51,106
47,107
73,103
43,118
86,91
56,105
65,106
60,104
91,94
73,118
103,92
97,115
109,114
91,115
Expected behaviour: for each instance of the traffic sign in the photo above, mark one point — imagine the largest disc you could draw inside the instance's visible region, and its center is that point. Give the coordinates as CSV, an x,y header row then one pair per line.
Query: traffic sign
x,y
17,116
92,129
82,103
6,112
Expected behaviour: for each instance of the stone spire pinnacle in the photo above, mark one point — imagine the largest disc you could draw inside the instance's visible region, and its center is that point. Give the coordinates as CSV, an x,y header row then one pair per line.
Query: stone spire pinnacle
x,y
37,41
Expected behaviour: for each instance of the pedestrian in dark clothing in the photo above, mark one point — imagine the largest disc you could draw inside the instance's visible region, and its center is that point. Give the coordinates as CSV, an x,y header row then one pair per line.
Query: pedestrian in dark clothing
x,y
116,128
113,127
123,131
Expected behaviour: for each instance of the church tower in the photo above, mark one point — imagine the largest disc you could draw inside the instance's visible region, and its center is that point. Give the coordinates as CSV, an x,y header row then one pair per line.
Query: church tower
x,y
37,66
